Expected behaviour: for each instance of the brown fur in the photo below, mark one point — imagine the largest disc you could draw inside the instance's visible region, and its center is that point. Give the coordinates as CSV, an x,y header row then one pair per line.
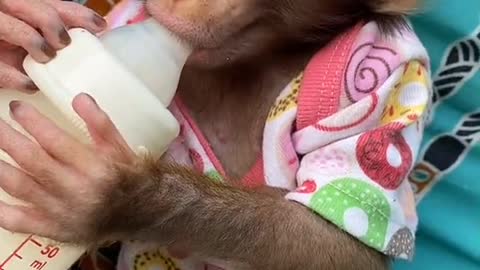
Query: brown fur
x,y
249,229
248,51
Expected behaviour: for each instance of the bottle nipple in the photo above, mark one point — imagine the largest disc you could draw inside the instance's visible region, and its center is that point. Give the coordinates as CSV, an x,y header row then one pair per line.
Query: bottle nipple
x,y
151,52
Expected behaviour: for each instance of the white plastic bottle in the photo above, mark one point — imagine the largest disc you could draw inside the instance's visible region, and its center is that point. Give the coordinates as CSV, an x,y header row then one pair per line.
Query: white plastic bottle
x,y
132,72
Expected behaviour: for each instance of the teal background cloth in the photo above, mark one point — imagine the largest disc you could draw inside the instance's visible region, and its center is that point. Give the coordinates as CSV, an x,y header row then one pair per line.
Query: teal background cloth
x,y
449,229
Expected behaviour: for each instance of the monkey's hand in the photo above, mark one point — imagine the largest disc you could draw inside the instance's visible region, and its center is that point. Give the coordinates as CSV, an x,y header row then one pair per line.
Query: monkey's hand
x,y
64,183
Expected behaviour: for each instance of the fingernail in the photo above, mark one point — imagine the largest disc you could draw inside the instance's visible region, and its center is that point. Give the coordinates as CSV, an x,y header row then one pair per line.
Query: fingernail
x,y
91,99
99,21
31,86
64,37
48,50
14,105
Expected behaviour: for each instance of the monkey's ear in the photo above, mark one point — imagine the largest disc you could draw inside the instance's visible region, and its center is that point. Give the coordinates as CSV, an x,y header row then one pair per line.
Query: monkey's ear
x,y
396,7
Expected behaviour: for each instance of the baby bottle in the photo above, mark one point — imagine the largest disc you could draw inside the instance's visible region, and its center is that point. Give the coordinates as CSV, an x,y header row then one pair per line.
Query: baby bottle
x,y
132,72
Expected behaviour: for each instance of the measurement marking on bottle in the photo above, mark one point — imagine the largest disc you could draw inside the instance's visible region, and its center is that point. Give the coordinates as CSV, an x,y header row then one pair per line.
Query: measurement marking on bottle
x,y
48,252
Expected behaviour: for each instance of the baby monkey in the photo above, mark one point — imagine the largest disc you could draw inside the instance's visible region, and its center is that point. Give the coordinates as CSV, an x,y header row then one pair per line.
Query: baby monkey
x,y
242,186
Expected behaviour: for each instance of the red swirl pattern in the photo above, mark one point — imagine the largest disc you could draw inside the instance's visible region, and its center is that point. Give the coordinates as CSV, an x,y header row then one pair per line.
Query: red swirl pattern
x,y
368,66
372,156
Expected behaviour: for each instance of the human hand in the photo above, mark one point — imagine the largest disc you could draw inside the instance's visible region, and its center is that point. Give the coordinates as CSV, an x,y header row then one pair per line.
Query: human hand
x,y
66,184
38,28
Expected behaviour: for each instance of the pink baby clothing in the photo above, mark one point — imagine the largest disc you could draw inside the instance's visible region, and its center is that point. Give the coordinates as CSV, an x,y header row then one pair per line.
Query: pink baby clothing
x,y
342,137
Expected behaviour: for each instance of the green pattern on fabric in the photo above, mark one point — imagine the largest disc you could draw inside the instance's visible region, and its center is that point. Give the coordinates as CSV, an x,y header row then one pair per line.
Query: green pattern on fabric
x,y
342,196
214,175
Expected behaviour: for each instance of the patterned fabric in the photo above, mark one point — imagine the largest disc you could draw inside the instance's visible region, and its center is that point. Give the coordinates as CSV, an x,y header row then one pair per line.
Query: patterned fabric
x,y
358,152
447,168
342,136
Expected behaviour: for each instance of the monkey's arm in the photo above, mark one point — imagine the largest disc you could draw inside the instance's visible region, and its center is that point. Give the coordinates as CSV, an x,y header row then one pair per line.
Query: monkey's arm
x,y
260,228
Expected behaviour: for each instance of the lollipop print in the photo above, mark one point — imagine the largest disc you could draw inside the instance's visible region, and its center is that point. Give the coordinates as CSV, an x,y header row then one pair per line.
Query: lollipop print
x,y
368,66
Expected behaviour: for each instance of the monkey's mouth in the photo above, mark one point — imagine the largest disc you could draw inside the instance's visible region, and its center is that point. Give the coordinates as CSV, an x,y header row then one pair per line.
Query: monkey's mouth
x,y
226,41
234,36
223,51
203,37
233,47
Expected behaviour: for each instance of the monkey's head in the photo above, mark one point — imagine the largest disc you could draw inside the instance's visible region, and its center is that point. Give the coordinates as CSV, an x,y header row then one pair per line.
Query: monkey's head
x,y
230,31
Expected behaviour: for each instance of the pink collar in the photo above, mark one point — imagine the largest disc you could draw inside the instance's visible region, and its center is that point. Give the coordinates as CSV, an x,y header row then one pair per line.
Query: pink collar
x,y
319,97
